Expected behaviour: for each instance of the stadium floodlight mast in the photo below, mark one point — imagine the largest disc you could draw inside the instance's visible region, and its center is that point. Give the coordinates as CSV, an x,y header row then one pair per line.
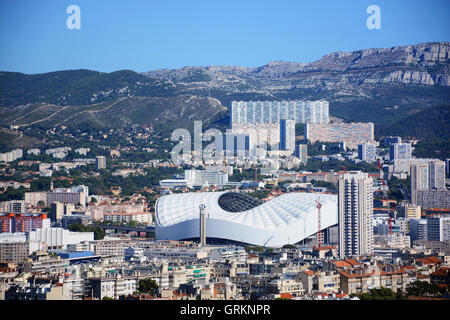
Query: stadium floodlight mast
x,y
202,225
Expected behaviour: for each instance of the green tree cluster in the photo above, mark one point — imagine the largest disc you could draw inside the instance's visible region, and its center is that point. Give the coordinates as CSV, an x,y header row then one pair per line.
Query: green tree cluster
x,y
148,286
381,293
423,288
99,233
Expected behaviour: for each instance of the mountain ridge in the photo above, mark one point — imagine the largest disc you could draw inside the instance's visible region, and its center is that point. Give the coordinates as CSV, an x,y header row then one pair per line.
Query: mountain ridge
x,y
370,81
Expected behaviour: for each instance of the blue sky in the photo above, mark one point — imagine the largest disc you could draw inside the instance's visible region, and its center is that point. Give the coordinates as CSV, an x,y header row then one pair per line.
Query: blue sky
x,y
145,35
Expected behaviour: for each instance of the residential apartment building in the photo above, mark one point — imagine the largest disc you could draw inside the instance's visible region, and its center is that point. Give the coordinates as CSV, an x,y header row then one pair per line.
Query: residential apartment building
x,y
274,111
359,280
111,287
438,228
18,251
432,199
127,217
400,151
11,222
11,156
355,211
325,281
34,198
261,135
367,152
301,152
13,206
286,285
100,162
287,135
351,133
418,229
428,185
409,211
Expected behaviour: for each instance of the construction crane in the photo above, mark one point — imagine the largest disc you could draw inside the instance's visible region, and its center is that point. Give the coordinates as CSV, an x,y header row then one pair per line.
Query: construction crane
x,y
319,232
385,197
266,242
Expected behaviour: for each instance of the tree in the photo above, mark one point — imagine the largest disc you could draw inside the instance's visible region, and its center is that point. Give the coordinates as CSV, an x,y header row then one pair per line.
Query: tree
x,y
148,286
381,293
423,288
99,233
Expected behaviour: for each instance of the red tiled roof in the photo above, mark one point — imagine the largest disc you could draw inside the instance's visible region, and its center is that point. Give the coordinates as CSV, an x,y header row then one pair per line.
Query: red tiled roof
x,y
443,272
324,248
365,273
352,262
341,264
309,272
434,260
409,267
429,260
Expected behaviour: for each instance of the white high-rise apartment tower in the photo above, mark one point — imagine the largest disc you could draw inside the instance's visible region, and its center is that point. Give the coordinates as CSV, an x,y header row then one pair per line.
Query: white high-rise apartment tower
x,y
355,210
273,111
429,175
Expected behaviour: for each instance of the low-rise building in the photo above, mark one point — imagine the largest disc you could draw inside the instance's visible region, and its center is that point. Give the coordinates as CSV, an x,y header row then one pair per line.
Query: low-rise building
x,y
127,217
358,280
325,281
113,287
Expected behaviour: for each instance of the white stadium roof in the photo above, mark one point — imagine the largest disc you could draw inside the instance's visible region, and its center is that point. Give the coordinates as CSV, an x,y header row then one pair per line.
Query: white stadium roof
x,y
289,218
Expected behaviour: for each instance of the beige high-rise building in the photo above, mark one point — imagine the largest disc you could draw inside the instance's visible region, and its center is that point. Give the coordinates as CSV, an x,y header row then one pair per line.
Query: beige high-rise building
x,y
419,179
429,175
355,210
437,174
260,134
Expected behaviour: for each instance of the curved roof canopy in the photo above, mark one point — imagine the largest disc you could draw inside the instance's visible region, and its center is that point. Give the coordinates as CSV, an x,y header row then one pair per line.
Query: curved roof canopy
x,y
235,216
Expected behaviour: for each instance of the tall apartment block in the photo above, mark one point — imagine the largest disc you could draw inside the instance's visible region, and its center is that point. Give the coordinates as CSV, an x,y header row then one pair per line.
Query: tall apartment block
x,y
367,152
100,162
301,152
11,222
355,211
438,228
274,111
287,135
400,151
428,184
260,134
418,229
437,174
351,133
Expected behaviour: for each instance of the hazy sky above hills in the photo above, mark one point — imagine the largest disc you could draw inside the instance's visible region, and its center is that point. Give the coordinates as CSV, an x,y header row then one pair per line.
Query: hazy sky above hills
x,y
145,35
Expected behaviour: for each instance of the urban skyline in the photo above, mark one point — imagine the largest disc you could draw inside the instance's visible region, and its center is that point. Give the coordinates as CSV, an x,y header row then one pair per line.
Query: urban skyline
x,y
224,155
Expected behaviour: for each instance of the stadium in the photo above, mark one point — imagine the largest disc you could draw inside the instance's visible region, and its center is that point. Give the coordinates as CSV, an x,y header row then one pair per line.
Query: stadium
x,y
233,217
